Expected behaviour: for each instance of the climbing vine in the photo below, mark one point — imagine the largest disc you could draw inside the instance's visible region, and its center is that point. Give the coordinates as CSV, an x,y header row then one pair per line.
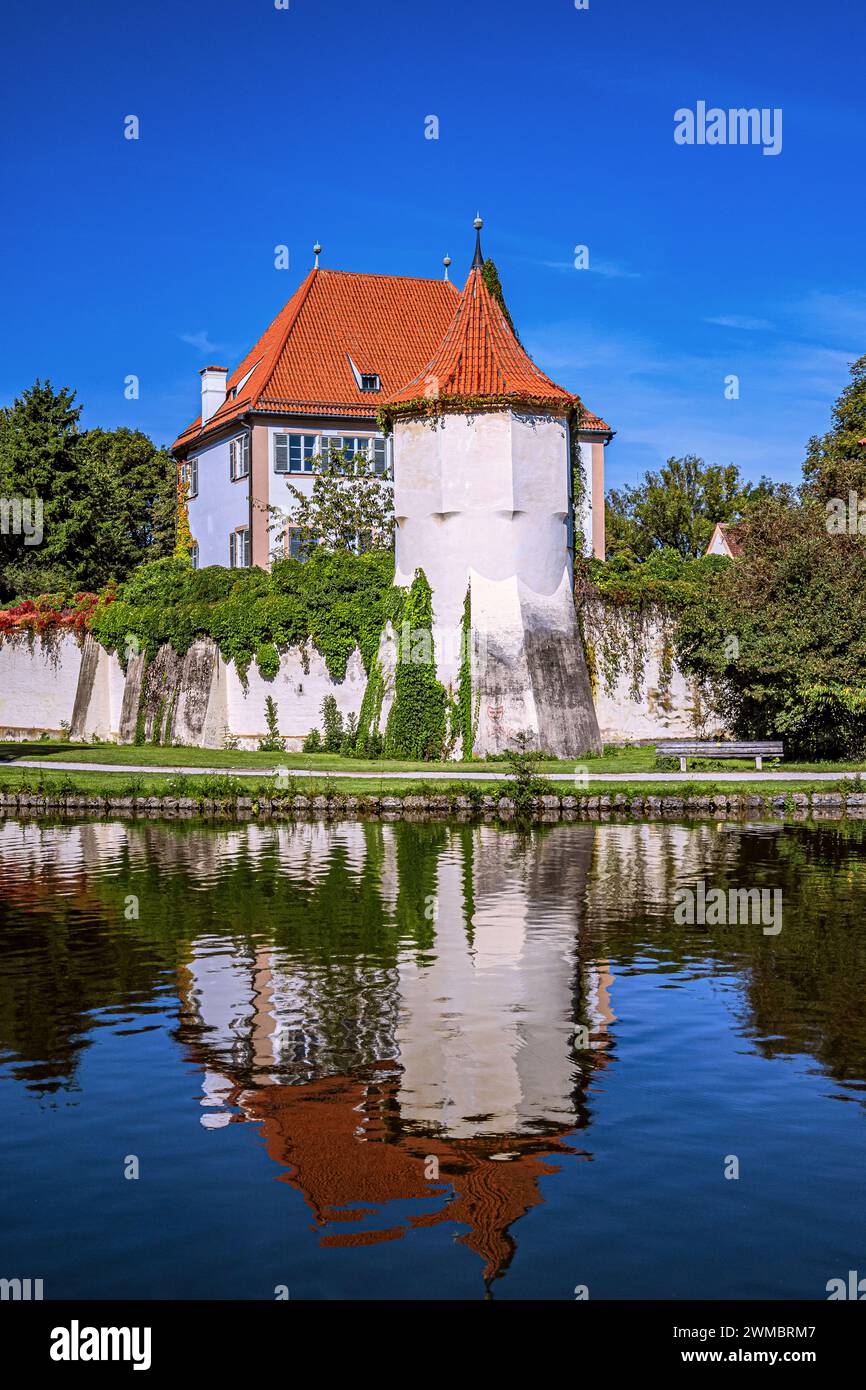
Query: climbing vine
x,y
434,405
463,724
416,725
337,601
183,535
630,610
578,486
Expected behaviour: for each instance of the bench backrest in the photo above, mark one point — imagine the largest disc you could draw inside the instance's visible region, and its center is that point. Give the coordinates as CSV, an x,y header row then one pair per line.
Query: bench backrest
x,y
694,748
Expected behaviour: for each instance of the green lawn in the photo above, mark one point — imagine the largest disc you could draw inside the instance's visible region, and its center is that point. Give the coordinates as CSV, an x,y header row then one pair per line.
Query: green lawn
x,y
54,780
116,755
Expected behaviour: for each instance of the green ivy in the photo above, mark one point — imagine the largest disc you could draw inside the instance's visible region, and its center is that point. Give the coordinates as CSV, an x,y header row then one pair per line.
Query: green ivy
x,y
622,601
465,723
337,600
417,722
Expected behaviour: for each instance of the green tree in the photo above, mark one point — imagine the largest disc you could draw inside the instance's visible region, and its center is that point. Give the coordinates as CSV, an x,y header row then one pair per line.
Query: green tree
x,y
780,633
836,461
678,507
108,498
39,462
350,506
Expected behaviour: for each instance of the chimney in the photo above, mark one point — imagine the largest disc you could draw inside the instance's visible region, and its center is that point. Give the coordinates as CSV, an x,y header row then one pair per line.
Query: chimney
x,y
213,390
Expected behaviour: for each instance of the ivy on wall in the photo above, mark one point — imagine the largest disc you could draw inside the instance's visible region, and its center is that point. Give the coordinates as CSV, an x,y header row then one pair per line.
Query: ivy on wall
x,y
417,722
464,720
626,607
339,601
183,535
578,485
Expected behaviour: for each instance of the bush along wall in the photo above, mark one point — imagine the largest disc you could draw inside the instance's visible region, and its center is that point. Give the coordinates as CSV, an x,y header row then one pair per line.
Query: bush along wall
x,y
338,601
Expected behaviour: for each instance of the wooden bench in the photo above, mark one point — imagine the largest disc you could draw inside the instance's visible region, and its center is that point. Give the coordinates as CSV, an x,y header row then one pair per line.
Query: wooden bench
x,y
694,748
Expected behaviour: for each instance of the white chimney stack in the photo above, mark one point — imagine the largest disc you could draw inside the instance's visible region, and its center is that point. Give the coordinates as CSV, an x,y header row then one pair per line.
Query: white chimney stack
x,y
213,390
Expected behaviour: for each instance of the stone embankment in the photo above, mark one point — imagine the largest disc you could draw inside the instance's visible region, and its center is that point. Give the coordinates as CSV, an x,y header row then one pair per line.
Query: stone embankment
x,y
544,809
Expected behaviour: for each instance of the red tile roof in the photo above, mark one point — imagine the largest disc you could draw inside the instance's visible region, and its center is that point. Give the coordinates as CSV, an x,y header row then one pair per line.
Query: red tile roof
x,y
480,358
588,421
388,324
731,534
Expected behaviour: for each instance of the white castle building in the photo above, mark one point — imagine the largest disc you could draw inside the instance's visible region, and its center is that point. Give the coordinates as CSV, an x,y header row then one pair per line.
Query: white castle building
x,y
342,345
484,454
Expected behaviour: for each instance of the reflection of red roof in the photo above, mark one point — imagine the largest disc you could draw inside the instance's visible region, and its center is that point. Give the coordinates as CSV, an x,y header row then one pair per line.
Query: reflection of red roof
x,y
342,1140
480,359
387,324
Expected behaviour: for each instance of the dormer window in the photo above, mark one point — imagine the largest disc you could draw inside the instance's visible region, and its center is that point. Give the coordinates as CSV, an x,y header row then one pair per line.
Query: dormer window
x,y
365,381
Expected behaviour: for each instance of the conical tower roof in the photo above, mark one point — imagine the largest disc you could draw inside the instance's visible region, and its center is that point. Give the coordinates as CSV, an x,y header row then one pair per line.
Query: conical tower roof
x,y
479,363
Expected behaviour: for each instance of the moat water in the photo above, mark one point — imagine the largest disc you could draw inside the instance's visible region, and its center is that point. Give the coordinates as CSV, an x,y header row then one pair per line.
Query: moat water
x,y
430,1061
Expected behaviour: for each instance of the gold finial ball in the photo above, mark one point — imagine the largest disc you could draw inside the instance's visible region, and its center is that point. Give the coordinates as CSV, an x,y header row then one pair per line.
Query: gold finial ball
x,y
478,223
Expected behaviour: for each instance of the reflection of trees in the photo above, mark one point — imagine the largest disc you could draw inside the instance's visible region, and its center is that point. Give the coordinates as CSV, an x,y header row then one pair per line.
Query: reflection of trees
x,y
344,903
802,991
66,956
808,996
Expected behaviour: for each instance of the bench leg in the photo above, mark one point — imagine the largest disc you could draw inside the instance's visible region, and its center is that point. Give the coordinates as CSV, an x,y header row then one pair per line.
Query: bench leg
x,y
759,763
682,764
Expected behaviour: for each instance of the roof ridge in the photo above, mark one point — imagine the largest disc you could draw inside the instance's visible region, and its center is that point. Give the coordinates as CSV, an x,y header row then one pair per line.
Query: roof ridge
x,y
385,275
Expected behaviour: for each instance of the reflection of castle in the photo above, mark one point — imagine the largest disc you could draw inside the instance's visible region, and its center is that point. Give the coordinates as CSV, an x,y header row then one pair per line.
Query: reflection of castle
x,y
446,1078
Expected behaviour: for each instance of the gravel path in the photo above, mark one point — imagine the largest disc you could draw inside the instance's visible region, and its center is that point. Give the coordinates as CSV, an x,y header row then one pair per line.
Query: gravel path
x,y
428,776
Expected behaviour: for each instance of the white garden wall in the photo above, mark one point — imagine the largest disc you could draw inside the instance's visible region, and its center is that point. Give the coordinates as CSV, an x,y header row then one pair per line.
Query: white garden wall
x,y
49,683
297,690
639,692
38,681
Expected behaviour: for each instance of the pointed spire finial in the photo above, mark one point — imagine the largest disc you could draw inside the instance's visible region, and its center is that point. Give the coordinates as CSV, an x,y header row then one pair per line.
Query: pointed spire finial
x,y
446,261
478,224
317,251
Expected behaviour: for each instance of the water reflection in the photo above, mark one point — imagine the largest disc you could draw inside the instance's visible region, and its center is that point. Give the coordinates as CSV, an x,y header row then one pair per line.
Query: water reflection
x,y
419,1019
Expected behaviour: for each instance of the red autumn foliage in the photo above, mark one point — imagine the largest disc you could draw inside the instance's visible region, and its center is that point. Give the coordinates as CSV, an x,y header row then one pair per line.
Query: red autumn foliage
x,y
49,612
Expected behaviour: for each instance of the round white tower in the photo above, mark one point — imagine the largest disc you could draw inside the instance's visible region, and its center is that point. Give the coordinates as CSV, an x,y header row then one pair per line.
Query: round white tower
x,y
483,501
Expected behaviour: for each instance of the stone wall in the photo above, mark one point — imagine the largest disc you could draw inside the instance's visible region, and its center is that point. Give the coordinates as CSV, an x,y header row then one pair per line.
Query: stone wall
x,y
639,691
55,683
297,690
59,684
200,700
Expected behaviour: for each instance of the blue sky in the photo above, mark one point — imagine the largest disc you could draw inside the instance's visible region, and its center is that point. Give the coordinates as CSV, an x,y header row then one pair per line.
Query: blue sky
x,y
261,126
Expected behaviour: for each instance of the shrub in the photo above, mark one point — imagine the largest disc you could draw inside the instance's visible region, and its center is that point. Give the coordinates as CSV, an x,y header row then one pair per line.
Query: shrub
x,y
272,742
332,725
268,660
